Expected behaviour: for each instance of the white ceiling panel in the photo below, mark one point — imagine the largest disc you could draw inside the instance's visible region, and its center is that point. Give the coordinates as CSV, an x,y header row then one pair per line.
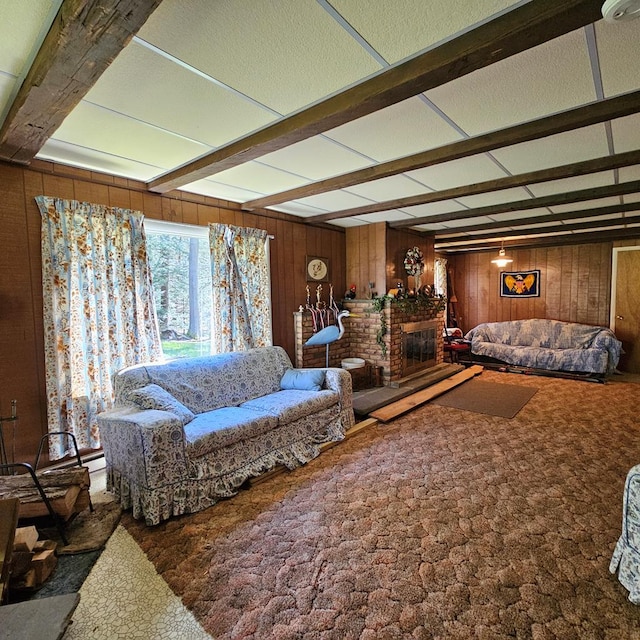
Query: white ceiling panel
x,y
495,197
403,129
383,216
626,131
388,188
553,151
97,128
572,184
629,173
349,222
520,215
78,156
576,207
618,47
523,87
297,208
316,158
284,54
456,173
7,85
401,28
335,201
22,24
259,178
153,89
433,208
218,190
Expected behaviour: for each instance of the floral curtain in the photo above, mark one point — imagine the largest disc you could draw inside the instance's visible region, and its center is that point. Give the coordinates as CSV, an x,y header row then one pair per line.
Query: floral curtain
x,y
99,314
241,288
440,276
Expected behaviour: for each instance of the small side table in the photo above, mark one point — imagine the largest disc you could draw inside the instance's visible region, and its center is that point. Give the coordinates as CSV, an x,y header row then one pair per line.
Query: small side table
x,y
626,556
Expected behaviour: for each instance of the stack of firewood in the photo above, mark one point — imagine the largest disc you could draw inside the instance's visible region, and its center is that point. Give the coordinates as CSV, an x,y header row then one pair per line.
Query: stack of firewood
x,y
32,561
66,489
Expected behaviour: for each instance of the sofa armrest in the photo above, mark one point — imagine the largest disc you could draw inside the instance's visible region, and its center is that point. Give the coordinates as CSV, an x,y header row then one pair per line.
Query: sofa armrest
x,y
607,341
147,446
339,380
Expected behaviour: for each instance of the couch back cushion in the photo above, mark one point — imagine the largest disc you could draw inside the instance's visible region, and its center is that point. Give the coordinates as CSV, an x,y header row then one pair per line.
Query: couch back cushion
x,y
549,334
210,382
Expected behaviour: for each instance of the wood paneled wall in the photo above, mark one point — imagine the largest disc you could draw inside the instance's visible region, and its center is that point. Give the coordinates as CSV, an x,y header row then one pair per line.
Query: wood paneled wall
x,y
375,253
21,329
575,285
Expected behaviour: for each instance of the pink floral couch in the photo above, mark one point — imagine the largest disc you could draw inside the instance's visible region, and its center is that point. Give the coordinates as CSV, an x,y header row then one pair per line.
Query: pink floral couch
x,y
186,433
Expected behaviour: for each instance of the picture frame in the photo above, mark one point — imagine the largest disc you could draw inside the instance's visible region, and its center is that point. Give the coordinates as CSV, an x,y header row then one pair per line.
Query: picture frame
x,y
317,269
520,284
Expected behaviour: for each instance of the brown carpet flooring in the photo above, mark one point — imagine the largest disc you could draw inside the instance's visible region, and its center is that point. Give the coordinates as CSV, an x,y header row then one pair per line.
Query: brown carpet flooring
x,y
441,524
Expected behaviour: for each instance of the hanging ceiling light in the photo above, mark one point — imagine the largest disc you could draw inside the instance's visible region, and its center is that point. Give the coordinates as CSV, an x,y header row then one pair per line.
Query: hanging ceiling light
x,y
503,259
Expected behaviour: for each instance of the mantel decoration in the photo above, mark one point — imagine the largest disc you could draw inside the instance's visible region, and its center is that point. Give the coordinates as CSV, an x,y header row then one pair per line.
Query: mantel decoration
x,y
423,300
414,264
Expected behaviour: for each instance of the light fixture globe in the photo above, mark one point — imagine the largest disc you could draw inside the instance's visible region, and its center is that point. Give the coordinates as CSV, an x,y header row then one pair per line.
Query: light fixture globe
x,y
503,259
620,10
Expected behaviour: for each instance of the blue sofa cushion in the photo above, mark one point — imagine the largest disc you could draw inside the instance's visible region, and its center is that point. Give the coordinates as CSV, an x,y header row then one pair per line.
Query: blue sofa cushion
x,y
303,379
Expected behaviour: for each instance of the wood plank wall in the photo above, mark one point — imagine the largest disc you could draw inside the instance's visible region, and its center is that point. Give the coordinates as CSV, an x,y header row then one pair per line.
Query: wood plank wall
x,y
575,285
375,253
21,329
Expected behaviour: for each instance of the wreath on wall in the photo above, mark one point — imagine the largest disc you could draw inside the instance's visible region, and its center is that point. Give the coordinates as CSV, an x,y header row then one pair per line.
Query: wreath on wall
x,y
414,262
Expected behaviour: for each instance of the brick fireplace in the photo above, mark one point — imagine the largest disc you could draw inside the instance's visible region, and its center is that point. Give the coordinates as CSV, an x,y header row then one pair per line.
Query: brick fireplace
x,y
413,341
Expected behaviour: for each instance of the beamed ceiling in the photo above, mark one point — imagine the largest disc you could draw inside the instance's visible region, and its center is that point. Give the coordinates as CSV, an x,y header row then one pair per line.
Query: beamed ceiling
x,y
476,122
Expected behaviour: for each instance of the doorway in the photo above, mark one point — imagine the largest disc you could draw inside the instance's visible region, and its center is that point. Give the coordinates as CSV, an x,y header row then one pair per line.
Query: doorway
x,y
625,305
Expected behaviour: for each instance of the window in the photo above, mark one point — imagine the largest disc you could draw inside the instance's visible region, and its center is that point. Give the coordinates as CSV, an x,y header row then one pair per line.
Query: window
x,y
180,264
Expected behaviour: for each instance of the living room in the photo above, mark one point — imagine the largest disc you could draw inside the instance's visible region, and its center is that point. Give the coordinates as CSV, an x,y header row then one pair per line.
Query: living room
x,y
563,137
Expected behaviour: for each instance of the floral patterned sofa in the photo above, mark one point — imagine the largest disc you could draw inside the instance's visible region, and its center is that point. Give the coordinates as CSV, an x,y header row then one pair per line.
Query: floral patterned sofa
x,y
547,344
186,433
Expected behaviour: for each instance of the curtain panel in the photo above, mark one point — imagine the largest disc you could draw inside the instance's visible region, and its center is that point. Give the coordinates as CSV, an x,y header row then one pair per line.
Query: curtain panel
x,y
98,309
241,316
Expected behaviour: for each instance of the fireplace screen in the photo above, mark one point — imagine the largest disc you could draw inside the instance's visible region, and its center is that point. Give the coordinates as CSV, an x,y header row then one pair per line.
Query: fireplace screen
x,y
419,345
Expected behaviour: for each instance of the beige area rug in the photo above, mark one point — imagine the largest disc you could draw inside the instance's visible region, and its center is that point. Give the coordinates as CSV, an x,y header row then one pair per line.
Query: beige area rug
x,y
492,398
431,526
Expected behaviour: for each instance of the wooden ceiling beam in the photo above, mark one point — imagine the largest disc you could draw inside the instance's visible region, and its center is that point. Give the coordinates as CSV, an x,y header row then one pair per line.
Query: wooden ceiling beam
x,y
560,227
556,199
84,39
555,240
585,167
524,222
526,26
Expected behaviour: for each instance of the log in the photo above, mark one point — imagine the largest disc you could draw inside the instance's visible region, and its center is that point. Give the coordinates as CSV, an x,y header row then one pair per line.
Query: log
x,y
25,539
8,524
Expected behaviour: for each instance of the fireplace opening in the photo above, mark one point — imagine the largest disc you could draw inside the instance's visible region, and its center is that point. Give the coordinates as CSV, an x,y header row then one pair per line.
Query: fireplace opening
x,y
419,346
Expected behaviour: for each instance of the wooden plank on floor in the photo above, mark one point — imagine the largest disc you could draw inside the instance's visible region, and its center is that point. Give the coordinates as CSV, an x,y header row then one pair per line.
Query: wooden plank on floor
x,y
404,405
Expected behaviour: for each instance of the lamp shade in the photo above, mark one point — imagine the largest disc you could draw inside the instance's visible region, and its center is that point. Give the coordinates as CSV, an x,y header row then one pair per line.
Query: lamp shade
x,y
502,260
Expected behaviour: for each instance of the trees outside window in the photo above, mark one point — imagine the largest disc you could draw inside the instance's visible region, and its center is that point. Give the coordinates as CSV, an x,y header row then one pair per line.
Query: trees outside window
x,y
180,265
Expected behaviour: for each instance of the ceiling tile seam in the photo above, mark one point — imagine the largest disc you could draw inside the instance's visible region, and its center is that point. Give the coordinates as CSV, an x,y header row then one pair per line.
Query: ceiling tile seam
x,y
151,125
596,74
384,63
353,32
185,65
239,94
37,44
378,57
104,153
